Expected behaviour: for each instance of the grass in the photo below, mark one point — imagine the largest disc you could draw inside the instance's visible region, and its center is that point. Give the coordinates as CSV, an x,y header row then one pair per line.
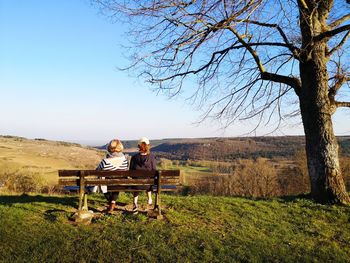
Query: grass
x,y
195,229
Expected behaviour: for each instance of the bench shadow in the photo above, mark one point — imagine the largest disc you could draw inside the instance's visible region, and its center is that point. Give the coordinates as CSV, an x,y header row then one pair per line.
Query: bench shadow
x,y
124,209
25,199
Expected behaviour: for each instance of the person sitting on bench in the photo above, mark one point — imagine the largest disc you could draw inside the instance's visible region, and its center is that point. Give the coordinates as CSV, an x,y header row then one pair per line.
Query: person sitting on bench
x,y
143,160
114,160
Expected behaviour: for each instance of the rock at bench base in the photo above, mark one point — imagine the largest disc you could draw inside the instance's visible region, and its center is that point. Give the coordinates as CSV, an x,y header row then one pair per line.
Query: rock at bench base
x,y
83,217
154,214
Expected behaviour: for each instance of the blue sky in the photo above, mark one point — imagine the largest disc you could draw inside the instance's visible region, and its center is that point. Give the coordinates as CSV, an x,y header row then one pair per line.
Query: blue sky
x,y
59,80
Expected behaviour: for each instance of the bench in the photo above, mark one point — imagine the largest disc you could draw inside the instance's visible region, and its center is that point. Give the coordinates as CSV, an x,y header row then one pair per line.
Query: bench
x,y
121,181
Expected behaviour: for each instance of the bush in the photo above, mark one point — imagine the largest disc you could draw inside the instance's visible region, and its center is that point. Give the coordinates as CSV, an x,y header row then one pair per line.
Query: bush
x,y
247,178
21,180
294,178
165,163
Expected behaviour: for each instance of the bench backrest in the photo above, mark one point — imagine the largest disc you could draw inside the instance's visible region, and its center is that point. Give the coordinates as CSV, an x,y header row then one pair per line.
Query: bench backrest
x,y
131,181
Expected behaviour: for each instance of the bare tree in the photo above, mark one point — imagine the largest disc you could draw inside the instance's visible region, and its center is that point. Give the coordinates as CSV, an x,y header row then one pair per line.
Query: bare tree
x,y
251,59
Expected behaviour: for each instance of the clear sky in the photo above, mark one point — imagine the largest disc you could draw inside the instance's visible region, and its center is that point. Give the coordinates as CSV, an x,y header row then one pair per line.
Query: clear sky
x,y
59,80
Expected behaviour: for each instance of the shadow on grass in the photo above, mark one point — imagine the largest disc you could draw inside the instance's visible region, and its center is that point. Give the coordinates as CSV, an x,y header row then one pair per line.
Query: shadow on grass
x,y
72,201
23,199
54,215
293,198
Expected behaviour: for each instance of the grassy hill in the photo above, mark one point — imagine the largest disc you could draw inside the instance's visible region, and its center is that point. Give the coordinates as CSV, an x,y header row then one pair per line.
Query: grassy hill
x,y
195,229
40,158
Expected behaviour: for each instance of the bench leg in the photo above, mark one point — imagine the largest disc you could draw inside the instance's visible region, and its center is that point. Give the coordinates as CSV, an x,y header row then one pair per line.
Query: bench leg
x,y
83,202
157,207
85,207
81,198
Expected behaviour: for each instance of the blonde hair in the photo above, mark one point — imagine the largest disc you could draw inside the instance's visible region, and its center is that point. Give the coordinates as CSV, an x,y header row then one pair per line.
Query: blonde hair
x,y
144,148
115,146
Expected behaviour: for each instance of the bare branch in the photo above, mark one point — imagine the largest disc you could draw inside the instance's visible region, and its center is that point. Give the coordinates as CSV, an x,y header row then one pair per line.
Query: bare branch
x,y
213,58
303,4
276,44
339,21
339,81
290,81
295,51
332,33
341,43
342,104
249,48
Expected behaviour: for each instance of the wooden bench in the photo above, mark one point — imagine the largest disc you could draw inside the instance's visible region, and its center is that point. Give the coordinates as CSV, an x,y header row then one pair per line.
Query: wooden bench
x,y
121,181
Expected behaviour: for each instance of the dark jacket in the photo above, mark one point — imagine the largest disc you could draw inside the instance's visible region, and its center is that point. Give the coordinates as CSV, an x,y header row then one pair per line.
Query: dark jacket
x,y
143,162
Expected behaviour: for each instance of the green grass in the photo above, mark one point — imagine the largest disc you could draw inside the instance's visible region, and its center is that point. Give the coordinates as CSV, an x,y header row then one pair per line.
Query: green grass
x,y
195,229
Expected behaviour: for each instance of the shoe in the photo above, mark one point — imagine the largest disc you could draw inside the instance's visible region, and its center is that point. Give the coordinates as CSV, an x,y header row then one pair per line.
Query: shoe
x,y
111,207
135,210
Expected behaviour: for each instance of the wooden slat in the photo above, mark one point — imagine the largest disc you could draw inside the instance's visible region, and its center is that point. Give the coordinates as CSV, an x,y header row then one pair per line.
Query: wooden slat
x,y
130,173
168,181
169,190
89,178
119,181
175,173
68,173
128,177
70,182
135,188
128,188
115,182
171,177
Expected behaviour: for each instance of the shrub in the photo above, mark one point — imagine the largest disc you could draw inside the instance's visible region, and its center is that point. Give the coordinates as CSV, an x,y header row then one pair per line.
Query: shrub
x,y
165,163
294,177
21,180
247,178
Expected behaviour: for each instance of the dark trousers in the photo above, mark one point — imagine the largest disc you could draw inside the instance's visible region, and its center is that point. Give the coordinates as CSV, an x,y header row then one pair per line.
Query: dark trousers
x,y
111,196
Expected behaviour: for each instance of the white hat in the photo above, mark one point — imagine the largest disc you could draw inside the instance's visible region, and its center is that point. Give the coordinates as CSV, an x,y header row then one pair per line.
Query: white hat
x,y
143,139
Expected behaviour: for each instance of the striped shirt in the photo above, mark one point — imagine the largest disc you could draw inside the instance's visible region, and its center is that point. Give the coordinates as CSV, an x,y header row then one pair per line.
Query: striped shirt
x,y
112,162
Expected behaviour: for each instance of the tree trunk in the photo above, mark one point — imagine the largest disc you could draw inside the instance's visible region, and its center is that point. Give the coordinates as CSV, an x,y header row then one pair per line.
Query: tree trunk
x,y
327,185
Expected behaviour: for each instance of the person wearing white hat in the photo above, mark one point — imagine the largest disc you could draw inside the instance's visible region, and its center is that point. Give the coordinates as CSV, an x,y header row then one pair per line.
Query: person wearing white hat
x,y
143,160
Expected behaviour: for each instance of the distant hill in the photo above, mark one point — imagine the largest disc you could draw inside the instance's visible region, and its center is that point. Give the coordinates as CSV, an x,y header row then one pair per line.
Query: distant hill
x,y
222,149
43,157
225,149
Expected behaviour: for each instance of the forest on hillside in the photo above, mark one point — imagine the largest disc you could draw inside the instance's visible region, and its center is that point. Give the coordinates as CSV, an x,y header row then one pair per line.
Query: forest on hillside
x,y
226,149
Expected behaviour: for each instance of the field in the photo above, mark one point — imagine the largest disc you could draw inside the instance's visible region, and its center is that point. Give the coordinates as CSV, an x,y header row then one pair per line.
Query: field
x,y
36,228
206,222
38,160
